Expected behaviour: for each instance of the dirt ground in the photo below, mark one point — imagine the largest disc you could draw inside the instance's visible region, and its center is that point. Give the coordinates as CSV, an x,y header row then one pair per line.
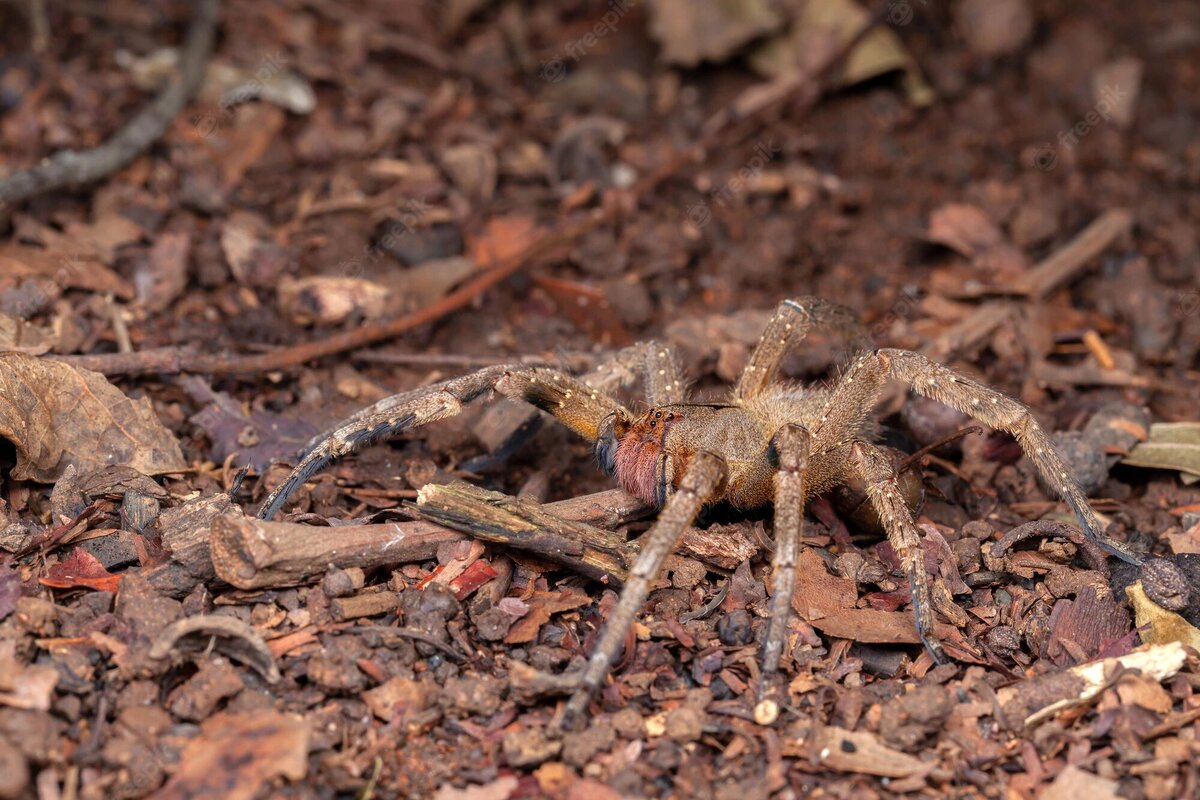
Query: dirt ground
x,y
367,197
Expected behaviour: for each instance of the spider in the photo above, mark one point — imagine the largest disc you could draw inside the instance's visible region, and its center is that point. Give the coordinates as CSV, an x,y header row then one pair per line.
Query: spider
x,y
769,441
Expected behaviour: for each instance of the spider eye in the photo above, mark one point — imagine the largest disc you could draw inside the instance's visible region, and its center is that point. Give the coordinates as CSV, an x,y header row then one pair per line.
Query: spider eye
x,y
653,423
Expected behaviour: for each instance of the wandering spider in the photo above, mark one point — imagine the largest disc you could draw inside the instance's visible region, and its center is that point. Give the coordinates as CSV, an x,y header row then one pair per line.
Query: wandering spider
x,y
769,441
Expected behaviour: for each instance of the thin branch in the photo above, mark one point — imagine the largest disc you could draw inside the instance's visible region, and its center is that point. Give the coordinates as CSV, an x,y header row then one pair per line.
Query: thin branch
x,y
69,168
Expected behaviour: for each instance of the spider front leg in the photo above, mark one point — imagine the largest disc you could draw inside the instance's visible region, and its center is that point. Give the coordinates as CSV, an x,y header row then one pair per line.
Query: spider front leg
x,y
791,447
701,482
860,386
884,493
792,321
577,406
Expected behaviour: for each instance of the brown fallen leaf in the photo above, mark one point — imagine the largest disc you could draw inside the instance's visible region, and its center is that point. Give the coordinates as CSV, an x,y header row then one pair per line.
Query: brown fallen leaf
x,y
587,307
18,335
963,228
257,438
237,754
819,594
56,415
80,570
502,237
165,273
691,31
10,590
541,606
68,271
101,238
968,231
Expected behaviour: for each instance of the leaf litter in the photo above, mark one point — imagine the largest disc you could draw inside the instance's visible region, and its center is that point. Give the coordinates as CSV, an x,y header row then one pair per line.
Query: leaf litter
x,y
129,668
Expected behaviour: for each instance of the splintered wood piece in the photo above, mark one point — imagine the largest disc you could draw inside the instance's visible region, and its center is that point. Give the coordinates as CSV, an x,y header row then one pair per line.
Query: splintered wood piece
x,y
1031,701
858,752
528,526
368,604
1072,257
251,553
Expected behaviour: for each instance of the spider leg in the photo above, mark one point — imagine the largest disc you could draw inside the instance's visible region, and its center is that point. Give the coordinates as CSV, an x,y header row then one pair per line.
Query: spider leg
x,y
505,427
663,377
701,481
791,322
861,384
791,445
883,490
577,406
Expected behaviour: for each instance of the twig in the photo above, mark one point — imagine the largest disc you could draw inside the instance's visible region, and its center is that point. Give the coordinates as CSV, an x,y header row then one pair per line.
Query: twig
x,y
1076,254
496,517
254,554
70,168
1048,275
724,129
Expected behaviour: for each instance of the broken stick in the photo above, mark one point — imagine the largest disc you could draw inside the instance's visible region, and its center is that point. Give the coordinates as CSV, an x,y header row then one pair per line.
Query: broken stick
x,y
496,517
251,553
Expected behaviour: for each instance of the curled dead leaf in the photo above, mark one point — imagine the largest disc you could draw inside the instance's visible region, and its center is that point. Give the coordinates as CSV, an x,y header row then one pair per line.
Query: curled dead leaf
x,y
57,415
227,635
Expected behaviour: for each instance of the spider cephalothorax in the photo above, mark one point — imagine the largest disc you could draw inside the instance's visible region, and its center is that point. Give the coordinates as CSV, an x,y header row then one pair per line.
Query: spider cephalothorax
x,y
767,442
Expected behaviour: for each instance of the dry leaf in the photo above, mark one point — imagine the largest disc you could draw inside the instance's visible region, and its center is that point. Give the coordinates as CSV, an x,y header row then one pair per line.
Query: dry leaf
x,y
81,570
691,31
502,238
69,271
164,276
17,335
820,28
541,606
1159,625
1172,445
236,755
58,415
257,438
964,228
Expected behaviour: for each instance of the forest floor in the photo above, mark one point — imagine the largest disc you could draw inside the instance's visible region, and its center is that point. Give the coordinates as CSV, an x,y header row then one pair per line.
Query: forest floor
x,y
369,197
